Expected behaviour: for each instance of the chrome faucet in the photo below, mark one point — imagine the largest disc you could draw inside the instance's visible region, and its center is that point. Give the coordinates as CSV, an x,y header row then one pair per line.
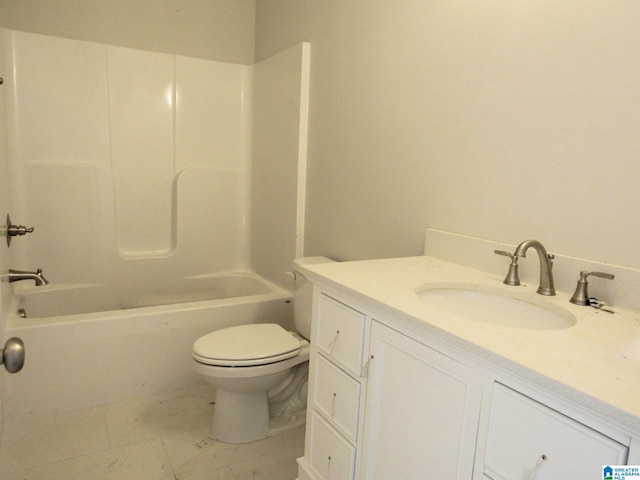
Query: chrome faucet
x,y
17,275
546,277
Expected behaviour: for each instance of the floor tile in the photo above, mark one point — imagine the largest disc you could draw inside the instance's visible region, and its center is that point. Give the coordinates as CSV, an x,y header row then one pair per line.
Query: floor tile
x,y
223,473
294,439
277,465
137,421
142,461
26,444
191,456
166,437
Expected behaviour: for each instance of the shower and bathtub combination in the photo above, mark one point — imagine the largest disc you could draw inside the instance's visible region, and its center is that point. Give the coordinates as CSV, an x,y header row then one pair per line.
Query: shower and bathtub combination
x,y
147,177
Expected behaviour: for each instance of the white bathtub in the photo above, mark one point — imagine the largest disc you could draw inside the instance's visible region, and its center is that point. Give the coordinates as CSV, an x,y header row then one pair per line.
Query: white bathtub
x,y
90,345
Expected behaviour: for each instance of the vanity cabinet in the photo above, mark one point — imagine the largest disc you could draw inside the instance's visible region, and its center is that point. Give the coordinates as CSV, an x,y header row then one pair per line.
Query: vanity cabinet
x,y
422,411
386,402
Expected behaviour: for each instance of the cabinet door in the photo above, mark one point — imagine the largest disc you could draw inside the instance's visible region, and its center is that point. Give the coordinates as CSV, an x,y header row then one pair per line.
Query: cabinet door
x,y
422,412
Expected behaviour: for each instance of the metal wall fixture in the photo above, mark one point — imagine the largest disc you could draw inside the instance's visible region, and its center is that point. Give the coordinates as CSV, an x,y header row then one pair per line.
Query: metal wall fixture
x,y
16,230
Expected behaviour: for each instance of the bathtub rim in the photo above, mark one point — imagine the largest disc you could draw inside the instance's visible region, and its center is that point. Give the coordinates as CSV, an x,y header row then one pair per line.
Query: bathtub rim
x,y
14,321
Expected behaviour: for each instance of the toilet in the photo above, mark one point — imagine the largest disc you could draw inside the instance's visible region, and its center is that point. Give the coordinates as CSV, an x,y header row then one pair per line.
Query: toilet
x,y
260,371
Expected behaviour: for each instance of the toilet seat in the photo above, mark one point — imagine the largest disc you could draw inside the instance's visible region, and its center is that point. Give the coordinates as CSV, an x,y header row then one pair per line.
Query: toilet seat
x,y
246,345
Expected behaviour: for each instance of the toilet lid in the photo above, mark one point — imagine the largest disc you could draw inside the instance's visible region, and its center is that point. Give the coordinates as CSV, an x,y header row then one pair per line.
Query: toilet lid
x,y
246,345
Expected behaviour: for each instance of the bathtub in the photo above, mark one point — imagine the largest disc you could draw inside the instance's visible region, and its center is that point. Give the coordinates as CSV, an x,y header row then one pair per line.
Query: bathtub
x,y
91,345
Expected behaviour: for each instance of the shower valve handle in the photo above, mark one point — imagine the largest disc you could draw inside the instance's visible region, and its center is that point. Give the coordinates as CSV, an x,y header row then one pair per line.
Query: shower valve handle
x,y
19,230
16,230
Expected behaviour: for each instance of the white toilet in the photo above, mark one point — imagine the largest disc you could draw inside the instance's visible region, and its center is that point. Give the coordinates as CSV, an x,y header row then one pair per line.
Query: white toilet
x,y
260,371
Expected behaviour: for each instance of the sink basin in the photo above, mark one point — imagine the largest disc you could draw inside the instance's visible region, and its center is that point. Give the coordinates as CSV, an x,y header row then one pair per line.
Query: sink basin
x,y
497,307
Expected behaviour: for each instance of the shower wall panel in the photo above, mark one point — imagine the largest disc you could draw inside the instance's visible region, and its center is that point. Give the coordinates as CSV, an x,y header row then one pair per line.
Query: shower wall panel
x,y
280,122
61,97
71,205
123,157
213,113
141,99
5,260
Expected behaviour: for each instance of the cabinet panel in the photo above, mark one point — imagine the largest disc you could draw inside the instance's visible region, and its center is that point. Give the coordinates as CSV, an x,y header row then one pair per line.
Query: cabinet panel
x,y
304,472
337,396
331,456
340,333
422,411
528,439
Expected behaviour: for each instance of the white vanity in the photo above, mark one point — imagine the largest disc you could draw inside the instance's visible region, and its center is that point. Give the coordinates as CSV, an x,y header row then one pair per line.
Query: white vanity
x,y
400,389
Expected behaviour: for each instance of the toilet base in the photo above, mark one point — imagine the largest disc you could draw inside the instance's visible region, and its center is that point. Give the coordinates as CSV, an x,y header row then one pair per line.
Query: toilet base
x,y
243,417
240,417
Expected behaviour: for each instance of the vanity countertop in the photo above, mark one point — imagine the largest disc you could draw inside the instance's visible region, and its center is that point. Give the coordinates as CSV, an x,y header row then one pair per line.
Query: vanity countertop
x,y
595,362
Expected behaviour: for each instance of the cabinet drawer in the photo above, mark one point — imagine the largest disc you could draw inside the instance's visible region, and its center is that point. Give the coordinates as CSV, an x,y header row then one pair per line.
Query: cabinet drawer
x,y
526,437
337,396
340,333
331,456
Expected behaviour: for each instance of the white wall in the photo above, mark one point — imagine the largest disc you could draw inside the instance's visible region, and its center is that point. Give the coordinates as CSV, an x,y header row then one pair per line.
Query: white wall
x,y
220,30
500,120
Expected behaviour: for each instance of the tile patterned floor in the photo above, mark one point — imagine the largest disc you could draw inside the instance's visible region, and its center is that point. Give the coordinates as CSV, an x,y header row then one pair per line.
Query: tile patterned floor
x,y
159,438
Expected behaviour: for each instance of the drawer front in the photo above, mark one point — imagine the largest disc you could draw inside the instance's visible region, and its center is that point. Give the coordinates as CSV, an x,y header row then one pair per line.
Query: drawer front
x,y
337,396
340,333
331,456
527,439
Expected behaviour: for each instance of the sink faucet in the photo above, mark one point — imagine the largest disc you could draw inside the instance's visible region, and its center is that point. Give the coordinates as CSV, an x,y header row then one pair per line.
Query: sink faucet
x,y
17,275
546,277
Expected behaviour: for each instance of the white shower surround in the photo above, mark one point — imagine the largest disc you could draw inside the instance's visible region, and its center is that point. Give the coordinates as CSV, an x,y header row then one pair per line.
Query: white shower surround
x,y
123,156
135,168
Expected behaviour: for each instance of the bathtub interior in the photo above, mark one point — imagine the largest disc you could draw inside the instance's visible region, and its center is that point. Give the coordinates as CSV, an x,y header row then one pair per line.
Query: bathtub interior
x,y
64,300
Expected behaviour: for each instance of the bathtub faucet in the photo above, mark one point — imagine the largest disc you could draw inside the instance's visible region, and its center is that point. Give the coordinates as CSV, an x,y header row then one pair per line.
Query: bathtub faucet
x,y
17,275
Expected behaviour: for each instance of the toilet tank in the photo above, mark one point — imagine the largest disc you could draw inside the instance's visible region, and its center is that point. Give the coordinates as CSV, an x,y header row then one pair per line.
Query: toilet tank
x,y
303,295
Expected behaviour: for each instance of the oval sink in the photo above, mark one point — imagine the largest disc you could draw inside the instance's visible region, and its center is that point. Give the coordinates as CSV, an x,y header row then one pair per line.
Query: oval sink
x,y
499,308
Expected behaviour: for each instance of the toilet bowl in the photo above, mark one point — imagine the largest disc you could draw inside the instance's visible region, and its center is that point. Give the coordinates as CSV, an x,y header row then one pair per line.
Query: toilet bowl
x,y
259,371
245,363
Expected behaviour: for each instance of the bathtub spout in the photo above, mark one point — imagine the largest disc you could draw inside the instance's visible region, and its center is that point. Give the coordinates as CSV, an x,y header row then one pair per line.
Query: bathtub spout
x,y
17,275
